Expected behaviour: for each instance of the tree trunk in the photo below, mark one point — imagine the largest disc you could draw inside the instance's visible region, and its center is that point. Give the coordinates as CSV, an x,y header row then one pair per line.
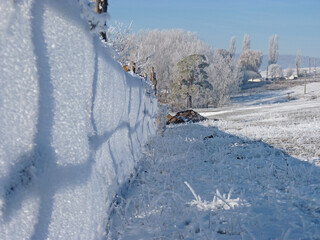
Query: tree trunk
x,y
191,79
189,102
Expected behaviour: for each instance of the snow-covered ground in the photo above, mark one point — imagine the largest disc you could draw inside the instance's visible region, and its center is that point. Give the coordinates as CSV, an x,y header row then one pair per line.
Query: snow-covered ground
x,y
293,126
72,122
73,125
253,174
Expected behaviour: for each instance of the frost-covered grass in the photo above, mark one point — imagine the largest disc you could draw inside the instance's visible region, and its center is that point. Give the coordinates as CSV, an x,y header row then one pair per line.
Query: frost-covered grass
x,y
229,179
240,188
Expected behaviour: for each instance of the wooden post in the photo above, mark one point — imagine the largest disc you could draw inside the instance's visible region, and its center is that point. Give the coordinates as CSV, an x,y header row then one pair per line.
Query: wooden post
x,y
96,7
104,5
133,67
101,7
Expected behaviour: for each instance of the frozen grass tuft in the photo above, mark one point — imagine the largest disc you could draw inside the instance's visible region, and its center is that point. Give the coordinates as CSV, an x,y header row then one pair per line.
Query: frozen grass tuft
x,y
219,201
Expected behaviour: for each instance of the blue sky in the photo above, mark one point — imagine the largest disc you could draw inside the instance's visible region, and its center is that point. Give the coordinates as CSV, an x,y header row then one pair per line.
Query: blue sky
x,y
297,22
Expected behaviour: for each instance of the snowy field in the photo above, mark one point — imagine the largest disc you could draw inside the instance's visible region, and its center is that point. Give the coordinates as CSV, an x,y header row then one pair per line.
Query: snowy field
x,y
254,174
292,126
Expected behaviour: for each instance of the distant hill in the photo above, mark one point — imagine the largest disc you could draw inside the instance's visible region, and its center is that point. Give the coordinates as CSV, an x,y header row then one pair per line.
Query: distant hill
x,y
287,61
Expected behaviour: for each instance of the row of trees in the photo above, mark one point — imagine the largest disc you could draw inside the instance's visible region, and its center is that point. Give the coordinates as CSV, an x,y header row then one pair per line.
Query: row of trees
x,y
189,72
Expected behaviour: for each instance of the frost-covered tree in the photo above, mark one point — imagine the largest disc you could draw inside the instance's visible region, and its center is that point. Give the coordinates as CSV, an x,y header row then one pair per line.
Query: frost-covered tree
x,y
192,82
289,72
250,60
162,50
224,77
246,43
273,49
275,71
232,48
298,62
120,38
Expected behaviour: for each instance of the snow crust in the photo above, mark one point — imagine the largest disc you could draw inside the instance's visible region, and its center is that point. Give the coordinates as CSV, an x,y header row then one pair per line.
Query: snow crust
x,y
73,124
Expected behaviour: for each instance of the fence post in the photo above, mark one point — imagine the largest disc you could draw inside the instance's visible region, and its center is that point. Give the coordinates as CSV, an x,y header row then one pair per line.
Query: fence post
x,y
133,67
101,7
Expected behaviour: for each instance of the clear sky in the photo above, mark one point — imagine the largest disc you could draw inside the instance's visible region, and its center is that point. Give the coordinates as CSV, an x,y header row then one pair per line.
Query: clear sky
x,y
297,22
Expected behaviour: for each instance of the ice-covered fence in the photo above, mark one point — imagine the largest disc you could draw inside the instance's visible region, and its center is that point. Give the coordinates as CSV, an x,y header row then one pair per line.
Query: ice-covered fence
x,y
72,123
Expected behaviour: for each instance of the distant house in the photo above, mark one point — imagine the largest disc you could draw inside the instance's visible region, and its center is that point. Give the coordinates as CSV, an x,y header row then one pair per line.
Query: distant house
x,y
292,77
255,80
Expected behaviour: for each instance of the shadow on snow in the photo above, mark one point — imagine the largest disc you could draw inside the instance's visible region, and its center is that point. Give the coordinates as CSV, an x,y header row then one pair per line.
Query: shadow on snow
x,y
275,194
